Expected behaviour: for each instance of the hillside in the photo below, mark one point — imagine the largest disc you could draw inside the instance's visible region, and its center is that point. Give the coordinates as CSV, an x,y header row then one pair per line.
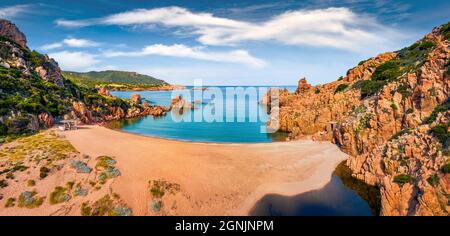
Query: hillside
x,y
34,92
391,114
117,80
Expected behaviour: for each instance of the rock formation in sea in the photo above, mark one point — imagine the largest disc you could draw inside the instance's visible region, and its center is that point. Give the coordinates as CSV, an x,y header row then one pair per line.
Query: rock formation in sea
x,y
390,114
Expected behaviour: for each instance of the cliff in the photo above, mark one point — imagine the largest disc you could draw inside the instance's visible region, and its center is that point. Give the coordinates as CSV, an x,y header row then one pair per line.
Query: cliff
x,y
34,92
390,114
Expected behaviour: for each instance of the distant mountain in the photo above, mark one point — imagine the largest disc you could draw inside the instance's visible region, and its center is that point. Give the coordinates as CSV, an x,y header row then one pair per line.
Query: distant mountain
x,y
114,79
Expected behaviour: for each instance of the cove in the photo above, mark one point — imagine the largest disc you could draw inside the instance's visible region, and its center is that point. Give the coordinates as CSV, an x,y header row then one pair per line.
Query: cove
x,y
247,131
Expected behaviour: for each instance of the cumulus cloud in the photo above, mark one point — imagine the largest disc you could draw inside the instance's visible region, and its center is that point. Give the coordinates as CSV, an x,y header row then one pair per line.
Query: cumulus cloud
x,y
200,53
79,61
71,42
12,11
330,27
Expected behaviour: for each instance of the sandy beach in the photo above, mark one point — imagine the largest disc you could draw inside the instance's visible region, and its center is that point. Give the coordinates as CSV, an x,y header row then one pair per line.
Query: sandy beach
x,y
213,179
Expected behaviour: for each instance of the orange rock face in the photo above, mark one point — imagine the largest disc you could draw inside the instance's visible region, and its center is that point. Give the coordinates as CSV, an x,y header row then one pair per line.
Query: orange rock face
x,y
104,92
385,134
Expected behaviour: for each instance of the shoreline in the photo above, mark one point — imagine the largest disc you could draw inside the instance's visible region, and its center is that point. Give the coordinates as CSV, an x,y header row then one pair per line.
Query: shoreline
x,y
214,178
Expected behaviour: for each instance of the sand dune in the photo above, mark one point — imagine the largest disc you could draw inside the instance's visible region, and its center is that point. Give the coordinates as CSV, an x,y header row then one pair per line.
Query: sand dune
x,y
214,179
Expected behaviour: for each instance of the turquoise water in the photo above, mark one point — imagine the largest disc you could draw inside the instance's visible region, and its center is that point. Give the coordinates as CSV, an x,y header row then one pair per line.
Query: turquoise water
x,y
246,125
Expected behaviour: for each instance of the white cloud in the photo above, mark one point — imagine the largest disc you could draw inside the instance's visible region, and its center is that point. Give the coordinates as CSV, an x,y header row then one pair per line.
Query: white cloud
x,y
180,50
330,27
79,61
12,11
71,42
51,46
79,43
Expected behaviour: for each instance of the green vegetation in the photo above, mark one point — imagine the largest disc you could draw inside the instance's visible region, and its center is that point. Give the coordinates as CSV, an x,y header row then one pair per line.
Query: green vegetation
x,y
340,78
317,91
433,180
31,183
445,31
403,179
10,202
441,133
438,109
400,133
341,88
43,172
159,187
59,195
3,183
30,200
394,107
105,206
105,164
446,168
407,60
117,80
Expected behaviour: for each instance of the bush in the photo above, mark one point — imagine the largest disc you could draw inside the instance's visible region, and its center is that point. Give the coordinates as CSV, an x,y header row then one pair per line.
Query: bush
x,y
317,91
433,180
388,71
43,172
438,109
341,88
441,133
59,195
403,179
446,168
340,78
369,88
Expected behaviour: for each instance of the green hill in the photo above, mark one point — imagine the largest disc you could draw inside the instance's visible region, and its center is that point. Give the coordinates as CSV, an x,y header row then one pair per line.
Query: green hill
x,y
118,80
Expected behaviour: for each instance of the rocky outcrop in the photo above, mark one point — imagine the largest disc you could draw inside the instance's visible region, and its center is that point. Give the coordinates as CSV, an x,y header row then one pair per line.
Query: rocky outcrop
x,y
81,112
104,92
383,113
136,99
11,32
303,86
46,120
50,71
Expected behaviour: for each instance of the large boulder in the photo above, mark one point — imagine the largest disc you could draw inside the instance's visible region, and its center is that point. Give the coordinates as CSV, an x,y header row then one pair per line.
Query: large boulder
x,y
11,32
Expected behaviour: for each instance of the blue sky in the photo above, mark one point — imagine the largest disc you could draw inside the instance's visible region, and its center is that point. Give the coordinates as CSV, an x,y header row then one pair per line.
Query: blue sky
x,y
223,42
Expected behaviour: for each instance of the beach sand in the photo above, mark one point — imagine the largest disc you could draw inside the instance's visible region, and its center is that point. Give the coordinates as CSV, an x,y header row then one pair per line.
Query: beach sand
x,y
213,179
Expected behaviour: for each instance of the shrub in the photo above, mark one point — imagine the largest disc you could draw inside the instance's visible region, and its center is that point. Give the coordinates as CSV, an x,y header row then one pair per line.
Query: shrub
x,y
340,78
59,195
403,90
369,87
387,71
3,183
446,168
29,200
341,88
409,111
433,180
438,109
400,133
317,91
43,172
10,202
394,107
441,133
445,31
31,183
403,179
